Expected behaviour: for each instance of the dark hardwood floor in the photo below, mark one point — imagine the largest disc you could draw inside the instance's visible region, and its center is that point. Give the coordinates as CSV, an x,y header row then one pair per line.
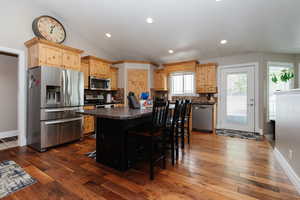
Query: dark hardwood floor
x,y
213,167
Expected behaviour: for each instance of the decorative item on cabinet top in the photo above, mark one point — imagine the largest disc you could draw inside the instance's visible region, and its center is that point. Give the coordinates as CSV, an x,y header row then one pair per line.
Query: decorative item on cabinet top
x,y
45,53
49,28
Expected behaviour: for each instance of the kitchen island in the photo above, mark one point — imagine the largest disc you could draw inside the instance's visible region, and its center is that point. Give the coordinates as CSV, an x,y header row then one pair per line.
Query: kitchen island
x,y
111,128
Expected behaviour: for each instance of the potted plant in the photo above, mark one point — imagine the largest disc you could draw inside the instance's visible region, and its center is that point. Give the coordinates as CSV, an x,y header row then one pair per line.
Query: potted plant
x,y
285,75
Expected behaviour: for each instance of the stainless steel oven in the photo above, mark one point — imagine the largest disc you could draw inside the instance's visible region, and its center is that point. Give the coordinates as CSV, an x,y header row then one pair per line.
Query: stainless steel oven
x,y
99,83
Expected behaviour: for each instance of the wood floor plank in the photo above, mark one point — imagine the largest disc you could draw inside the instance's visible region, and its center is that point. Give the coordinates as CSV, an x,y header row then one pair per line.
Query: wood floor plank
x,y
210,168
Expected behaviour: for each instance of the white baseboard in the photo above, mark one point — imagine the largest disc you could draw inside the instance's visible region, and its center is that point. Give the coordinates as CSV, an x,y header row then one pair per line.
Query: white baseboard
x,y
8,134
294,178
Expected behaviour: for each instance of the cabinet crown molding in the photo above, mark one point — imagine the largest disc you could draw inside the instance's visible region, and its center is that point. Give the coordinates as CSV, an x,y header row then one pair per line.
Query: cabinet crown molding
x,y
135,61
181,63
36,40
96,58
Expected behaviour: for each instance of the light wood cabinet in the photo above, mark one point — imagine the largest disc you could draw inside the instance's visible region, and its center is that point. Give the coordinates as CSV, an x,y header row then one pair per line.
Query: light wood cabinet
x,y
98,67
160,80
49,55
114,78
86,73
45,53
71,60
89,121
206,78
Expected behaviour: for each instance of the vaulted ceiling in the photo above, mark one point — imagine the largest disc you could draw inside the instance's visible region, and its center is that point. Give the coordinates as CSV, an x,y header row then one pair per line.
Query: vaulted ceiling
x,y
192,28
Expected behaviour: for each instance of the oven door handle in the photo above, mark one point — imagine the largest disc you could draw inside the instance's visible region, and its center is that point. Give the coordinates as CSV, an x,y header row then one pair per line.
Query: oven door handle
x,y
62,121
60,109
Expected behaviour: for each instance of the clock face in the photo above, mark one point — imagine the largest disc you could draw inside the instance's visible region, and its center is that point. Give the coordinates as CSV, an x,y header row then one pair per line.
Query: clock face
x,y
49,28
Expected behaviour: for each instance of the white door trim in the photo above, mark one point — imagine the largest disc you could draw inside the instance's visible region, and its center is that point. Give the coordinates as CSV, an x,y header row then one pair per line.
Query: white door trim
x,y
256,92
21,93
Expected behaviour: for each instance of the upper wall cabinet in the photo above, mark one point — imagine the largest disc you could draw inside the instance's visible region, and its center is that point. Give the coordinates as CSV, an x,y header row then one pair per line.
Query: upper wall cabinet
x,y
86,72
206,78
160,80
114,78
98,67
44,53
189,66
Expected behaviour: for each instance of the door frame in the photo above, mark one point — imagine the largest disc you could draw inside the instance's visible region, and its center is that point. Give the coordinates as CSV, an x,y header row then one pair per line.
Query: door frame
x,y
22,83
256,92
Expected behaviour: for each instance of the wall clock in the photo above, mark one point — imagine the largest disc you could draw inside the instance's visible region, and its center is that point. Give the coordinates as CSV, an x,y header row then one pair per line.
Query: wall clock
x,y
49,28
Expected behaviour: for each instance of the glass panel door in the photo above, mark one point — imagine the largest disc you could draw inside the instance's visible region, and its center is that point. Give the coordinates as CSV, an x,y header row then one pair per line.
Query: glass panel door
x,y
237,98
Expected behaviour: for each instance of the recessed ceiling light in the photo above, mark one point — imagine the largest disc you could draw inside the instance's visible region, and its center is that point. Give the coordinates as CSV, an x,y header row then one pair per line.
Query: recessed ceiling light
x,y
149,20
171,51
108,35
218,0
223,42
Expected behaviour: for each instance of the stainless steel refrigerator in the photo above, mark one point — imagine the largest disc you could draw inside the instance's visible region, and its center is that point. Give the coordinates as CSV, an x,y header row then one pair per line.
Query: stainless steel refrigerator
x,y
54,96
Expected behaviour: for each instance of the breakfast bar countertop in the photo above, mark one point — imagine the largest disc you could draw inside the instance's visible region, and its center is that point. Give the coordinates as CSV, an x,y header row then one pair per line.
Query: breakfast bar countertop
x,y
120,113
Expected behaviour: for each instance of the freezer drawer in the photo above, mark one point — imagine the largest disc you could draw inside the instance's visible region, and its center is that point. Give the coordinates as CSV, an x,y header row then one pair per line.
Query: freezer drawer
x,y
58,132
202,119
60,113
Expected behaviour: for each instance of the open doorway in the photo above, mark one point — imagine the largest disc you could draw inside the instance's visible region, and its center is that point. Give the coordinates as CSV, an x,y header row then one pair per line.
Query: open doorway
x,y
13,98
9,101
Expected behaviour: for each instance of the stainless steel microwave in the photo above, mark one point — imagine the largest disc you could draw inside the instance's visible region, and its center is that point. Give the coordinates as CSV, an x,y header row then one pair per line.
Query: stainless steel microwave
x,y
99,83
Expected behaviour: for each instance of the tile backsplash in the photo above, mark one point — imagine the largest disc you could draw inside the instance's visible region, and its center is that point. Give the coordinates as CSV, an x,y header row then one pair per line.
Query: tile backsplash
x,y
203,98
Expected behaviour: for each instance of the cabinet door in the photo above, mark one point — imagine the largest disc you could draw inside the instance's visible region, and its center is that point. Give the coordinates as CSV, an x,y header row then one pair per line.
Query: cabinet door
x,y
85,69
104,70
89,121
156,80
211,76
94,68
160,80
50,56
71,60
114,78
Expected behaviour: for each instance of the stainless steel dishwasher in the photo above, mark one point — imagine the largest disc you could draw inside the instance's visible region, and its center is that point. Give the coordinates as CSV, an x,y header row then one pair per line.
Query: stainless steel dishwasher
x,y
202,117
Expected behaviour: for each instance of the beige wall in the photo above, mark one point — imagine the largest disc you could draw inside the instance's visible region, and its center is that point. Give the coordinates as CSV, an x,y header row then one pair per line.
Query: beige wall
x,y
9,93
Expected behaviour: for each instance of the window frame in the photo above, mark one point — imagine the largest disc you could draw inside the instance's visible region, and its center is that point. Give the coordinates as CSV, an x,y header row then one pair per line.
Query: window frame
x,y
292,82
182,74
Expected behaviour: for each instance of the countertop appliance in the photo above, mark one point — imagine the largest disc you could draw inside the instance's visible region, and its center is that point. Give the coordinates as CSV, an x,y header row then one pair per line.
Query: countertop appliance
x,y
54,96
99,83
108,98
202,117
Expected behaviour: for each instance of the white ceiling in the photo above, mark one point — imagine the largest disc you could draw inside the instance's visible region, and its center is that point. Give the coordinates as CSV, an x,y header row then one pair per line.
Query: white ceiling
x,y
192,28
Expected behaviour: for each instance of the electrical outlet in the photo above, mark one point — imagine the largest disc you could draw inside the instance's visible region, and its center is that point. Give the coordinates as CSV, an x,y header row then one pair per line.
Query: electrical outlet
x,y
290,154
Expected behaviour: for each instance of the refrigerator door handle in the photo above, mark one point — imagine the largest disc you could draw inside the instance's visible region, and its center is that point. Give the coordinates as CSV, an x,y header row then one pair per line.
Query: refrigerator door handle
x,y
63,83
63,121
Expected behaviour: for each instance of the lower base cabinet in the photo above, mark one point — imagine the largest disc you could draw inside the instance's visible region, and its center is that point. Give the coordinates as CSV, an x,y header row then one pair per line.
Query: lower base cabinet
x,y
89,121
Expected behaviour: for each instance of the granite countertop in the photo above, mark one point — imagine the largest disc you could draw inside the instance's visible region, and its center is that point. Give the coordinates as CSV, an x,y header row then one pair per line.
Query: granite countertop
x,y
94,104
123,113
197,103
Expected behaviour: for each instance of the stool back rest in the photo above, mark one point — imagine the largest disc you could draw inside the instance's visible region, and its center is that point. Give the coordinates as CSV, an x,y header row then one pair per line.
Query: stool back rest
x,y
176,113
160,114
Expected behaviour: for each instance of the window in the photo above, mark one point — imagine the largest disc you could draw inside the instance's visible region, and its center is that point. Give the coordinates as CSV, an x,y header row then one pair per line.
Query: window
x,y
276,69
182,83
